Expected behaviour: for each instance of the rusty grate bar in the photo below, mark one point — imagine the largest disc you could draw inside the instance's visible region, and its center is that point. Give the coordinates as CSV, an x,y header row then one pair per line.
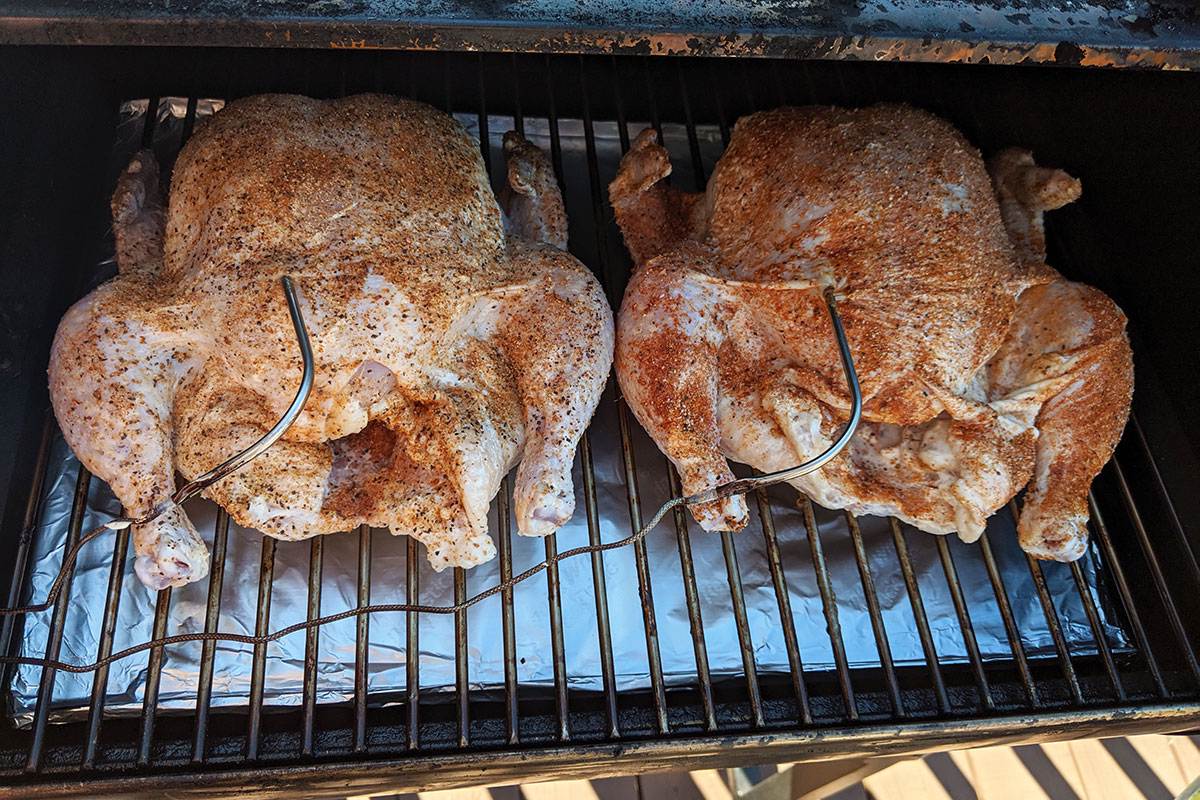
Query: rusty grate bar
x,y
212,617
1156,572
1089,608
462,676
54,642
262,624
1135,426
691,596
504,540
877,626
162,607
1060,642
1010,624
920,617
786,621
553,586
112,602
33,506
743,628
599,587
829,604
733,573
362,633
312,641
1100,529
645,590
964,624
412,644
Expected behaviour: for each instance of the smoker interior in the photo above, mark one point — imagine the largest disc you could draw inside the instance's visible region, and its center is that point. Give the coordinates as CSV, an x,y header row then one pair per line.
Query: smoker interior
x,y
1128,135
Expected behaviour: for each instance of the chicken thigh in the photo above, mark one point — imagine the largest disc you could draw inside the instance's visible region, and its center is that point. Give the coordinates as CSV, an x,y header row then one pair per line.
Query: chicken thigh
x,y
451,340
725,350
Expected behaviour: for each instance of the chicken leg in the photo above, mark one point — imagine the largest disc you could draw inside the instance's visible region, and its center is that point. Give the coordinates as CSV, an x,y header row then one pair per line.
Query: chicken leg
x,y
116,359
556,330
1065,367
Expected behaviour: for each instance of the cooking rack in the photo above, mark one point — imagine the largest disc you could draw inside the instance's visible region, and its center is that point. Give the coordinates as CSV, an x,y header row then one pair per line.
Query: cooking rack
x,y
1150,565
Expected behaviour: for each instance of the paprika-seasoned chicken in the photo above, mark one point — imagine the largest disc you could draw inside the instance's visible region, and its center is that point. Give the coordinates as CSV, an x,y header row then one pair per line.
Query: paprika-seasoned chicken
x,y
451,340
725,349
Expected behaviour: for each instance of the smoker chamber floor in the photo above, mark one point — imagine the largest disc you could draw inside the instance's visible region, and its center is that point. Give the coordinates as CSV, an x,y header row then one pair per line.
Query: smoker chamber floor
x,y
812,630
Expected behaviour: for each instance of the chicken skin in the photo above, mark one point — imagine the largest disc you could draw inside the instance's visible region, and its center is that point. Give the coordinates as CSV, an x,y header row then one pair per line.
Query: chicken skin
x,y
971,383
452,340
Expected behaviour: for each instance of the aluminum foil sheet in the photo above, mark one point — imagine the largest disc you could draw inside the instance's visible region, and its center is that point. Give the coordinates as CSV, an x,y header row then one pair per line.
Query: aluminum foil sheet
x,y
289,590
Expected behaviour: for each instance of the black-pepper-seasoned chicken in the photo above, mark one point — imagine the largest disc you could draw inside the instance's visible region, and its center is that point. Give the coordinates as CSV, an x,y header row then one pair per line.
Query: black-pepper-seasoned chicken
x,y
982,369
451,340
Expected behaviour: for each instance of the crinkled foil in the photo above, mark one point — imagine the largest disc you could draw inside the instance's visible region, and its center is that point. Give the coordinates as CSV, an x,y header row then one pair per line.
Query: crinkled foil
x,y
289,589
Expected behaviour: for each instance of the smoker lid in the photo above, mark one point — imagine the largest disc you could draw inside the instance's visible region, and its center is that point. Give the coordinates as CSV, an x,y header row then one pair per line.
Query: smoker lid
x,y
1161,34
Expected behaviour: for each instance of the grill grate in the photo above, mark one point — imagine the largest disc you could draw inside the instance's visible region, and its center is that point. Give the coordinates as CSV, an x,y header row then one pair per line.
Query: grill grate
x,y
1141,539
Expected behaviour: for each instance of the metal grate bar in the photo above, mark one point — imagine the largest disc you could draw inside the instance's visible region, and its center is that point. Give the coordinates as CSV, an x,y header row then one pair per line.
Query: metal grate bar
x,y
108,628
162,607
362,633
504,523
212,617
1165,498
150,123
511,715
743,627
554,598
877,626
262,624
1051,615
604,632
312,644
731,558
645,593
412,644
919,616
1010,624
829,603
1077,575
1127,602
600,591
786,621
462,677
733,573
54,639
964,624
484,142
1089,608
1060,643
553,586
692,598
698,172
645,588
1156,572
33,505
722,119
189,120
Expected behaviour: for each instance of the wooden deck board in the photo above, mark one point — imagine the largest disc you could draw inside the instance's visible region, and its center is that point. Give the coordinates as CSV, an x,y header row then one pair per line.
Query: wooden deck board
x,y
1148,767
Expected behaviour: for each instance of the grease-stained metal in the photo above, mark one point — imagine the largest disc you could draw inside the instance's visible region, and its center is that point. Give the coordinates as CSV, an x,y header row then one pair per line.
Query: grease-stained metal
x,y
1159,34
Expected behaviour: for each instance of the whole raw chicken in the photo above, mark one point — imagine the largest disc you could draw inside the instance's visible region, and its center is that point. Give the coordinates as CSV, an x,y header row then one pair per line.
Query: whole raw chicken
x,y
982,370
451,340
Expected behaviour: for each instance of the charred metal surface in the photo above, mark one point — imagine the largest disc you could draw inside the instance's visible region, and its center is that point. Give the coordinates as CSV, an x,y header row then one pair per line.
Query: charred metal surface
x,y
1163,34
